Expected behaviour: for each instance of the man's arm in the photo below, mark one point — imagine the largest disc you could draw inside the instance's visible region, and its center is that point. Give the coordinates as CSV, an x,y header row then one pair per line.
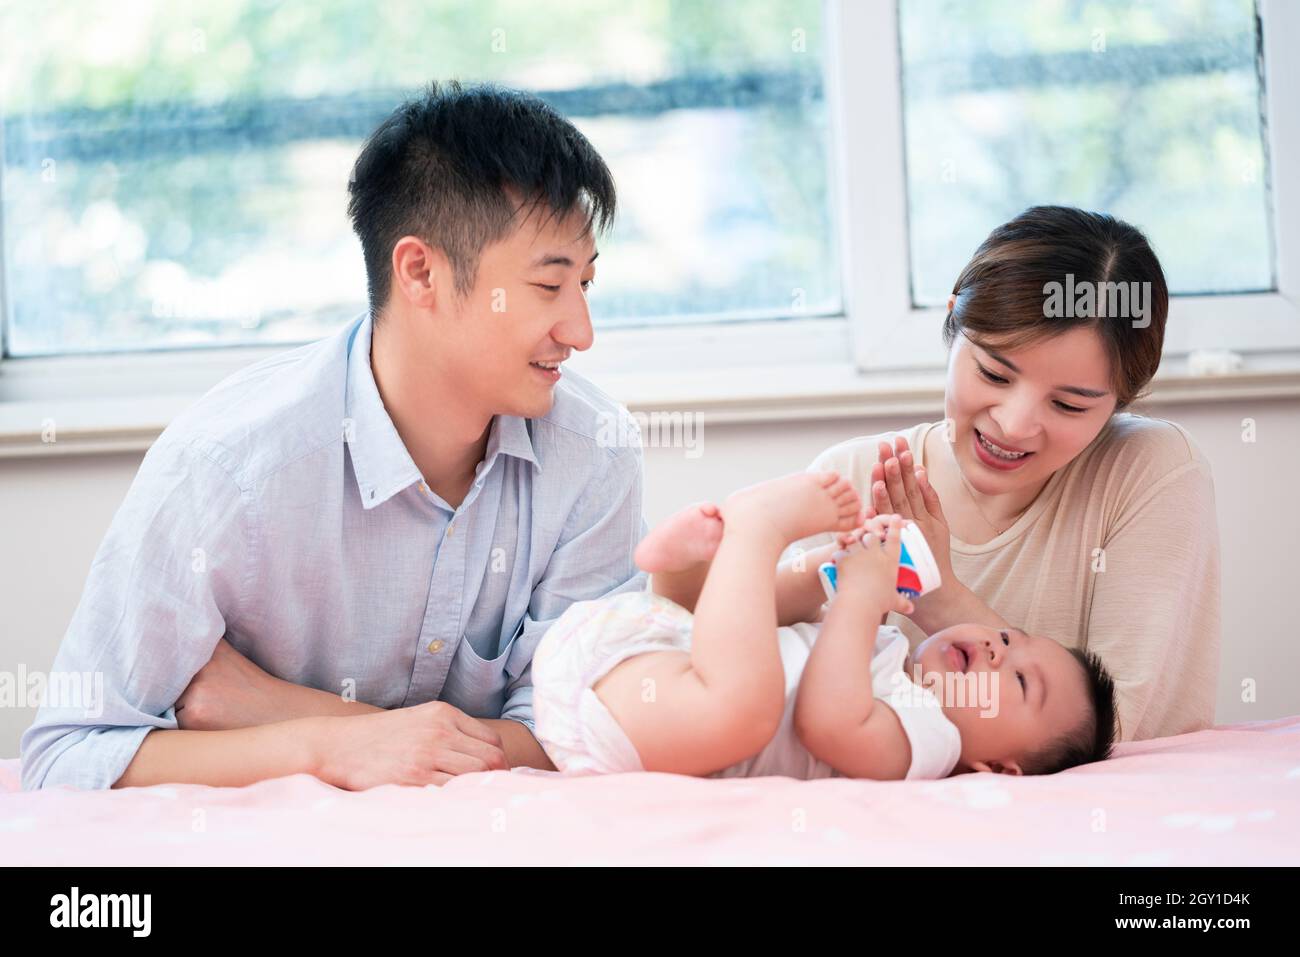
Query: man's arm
x,y
425,744
171,571
225,758
517,741
231,693
521,748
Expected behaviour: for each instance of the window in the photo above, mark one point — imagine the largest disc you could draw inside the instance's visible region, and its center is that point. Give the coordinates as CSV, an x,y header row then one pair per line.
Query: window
x,y
1178,115
800,182
175,172
1151,112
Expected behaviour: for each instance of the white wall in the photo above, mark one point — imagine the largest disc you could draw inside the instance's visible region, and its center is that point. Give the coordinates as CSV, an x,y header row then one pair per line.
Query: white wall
x,y
54,511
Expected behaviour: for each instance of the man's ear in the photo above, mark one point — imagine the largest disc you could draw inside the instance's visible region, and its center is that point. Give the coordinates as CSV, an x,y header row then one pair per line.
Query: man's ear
x,y
952,301
421,274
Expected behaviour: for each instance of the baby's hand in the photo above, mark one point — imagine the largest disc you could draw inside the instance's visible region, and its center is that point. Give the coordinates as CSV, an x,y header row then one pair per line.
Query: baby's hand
x,y
869,567
877,525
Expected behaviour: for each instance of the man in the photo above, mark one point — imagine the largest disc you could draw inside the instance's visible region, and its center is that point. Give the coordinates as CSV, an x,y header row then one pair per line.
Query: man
x,y
382,524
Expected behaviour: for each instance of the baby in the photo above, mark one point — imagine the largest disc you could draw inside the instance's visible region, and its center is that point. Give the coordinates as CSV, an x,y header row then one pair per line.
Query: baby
x,y
719,672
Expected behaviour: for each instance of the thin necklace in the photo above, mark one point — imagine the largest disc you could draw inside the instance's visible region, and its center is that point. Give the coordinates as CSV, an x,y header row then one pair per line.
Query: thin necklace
x,y
974,501
970,493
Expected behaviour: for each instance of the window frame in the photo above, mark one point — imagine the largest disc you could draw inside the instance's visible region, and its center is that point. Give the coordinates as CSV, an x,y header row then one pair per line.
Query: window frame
x,y
898,335
880,355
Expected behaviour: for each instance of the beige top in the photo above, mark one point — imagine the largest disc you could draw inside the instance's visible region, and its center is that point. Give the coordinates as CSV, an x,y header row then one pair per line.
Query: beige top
x,y
1143,494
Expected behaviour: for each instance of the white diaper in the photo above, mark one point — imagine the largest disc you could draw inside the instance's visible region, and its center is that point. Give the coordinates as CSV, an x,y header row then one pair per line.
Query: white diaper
x,y
571,723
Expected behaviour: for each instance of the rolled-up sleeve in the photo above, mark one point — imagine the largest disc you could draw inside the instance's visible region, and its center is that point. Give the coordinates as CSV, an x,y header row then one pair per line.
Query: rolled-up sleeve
x,y
593,559
167,577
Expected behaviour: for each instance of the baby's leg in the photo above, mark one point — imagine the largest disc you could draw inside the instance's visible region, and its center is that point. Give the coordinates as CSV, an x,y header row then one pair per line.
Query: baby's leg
x,y
677,553
699,713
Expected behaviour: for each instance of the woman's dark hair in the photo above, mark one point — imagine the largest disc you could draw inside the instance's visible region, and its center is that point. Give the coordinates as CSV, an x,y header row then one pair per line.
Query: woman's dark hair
x,y
1017,289
451,166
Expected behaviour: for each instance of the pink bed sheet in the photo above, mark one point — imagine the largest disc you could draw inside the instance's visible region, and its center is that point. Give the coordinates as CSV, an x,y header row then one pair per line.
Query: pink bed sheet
x,y
1230,795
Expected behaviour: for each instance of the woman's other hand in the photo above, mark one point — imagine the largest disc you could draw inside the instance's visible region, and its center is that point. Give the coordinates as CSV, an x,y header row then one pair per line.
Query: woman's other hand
x,y
899,487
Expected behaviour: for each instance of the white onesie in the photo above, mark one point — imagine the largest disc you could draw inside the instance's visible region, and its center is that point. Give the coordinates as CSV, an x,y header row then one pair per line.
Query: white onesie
x,y
590,638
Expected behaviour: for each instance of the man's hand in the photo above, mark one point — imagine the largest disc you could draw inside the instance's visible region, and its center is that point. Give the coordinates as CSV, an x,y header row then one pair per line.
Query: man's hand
x,y
363,745
232,692
425,744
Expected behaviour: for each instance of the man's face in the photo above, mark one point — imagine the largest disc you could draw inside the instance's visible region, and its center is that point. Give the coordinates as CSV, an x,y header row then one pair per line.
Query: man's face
x,y
527,312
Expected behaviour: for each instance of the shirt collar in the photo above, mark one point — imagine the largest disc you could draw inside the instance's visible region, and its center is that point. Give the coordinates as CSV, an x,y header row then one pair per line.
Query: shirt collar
x,y
380,461
508,435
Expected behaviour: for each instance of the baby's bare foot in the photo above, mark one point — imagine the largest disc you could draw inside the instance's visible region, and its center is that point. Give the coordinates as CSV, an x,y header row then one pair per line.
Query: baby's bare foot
x,y
795,506
686,539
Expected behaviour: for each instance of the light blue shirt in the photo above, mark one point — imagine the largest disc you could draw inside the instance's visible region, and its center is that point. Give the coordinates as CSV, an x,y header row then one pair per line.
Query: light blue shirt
x,y
283,512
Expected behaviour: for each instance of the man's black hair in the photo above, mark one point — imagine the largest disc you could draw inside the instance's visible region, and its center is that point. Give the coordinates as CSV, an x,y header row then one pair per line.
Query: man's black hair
x,y
440,168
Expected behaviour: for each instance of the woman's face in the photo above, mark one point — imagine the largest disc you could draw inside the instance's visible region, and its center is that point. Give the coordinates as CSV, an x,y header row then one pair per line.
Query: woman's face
x,y
1018,416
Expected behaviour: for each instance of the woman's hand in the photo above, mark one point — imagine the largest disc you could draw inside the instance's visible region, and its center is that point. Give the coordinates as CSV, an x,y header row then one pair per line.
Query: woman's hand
x,y
898,487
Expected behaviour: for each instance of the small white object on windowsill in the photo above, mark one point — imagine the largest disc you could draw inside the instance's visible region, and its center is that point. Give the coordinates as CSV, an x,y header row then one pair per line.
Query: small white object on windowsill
x,y
1214,362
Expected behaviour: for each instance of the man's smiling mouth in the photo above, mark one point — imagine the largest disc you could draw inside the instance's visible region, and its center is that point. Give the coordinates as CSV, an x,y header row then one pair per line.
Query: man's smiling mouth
x,y
549,368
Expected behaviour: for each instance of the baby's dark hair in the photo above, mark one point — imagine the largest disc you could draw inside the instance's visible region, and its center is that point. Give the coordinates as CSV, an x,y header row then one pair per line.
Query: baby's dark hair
x,y
1093,738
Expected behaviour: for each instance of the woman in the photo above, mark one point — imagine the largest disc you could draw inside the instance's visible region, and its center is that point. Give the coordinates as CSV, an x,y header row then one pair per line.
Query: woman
x,y
1060,513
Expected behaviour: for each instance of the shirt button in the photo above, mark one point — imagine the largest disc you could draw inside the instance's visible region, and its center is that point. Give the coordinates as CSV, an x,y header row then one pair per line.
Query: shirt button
x,y
435,646
451,528
423,487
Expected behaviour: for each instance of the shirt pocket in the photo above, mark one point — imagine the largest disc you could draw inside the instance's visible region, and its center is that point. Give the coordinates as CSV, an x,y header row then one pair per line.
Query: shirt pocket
x,y
519,652
476,685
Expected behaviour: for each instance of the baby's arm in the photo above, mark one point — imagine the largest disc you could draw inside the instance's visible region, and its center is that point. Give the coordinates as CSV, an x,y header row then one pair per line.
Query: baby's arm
x,y
837,717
